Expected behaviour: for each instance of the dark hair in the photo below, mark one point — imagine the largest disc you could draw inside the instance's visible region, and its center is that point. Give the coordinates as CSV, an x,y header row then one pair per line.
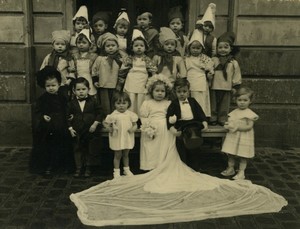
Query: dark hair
x,y
189,46
80,19
139,39
209,24
156,83
80,37
243,91
47,73
80,80
121,96
181,82
148,14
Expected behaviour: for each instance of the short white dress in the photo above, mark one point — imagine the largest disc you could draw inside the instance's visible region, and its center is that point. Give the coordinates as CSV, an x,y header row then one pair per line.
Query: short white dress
x,y
240,143
121,139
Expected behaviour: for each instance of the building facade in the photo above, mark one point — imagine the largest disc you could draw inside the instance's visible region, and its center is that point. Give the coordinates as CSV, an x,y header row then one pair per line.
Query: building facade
x,y
268,33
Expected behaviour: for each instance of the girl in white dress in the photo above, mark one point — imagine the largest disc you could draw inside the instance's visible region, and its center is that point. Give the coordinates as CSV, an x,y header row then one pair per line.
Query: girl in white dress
x,y
239,141
139,68
153,117
122,125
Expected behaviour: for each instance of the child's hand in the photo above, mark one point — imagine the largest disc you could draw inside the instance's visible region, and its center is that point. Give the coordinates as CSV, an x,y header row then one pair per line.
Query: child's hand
x,y
172,119
47,118
132,129
233,91
93,128
70,118
210,75
72,132
205,126
175,132
97,85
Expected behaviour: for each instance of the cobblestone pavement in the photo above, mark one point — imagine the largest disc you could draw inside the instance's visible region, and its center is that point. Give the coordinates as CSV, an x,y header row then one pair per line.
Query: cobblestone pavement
x,y
35,201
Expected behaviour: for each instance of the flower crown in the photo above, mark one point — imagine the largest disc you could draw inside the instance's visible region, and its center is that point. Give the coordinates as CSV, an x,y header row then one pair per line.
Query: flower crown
x,y
159,77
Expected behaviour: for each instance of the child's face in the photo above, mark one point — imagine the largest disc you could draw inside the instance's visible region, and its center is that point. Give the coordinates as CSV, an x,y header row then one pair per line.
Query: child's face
x,y
195,48
81,90
52,86
99,27
182,93
223,48
79,25
159,92
121,105
122,30
169,46
59,46
243,101
207,28
143,21
176,25
111,47
138,47
83,45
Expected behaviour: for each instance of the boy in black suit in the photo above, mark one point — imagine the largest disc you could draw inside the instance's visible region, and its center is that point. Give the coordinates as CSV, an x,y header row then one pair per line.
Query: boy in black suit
x,y
183,111
86,116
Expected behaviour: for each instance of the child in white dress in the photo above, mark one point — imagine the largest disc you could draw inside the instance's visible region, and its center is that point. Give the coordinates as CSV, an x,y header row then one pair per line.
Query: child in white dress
x,y
200,70
154,127
122,125
139,67
239,141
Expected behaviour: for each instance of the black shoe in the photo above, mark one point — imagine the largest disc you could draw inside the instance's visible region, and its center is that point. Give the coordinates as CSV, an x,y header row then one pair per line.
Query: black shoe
x,y
213,123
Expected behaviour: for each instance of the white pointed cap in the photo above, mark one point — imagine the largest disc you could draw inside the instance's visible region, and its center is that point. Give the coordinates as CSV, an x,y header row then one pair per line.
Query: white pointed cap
x,y
122,15
196,36
82,12
137,33
209,15
86,33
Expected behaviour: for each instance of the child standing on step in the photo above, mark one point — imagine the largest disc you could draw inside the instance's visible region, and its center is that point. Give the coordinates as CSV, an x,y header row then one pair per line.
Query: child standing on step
x,y
122,125
85,118
226,80
239,141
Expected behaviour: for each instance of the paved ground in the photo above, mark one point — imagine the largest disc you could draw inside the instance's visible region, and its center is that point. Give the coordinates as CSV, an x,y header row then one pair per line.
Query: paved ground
x,y
35,201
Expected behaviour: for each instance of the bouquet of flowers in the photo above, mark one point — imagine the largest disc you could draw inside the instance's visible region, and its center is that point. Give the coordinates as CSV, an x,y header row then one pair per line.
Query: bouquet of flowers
x,y
111,124
148,129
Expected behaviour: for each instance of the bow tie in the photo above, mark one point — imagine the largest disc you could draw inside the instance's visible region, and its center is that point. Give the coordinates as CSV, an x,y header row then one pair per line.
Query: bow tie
x,y
185,102
82,99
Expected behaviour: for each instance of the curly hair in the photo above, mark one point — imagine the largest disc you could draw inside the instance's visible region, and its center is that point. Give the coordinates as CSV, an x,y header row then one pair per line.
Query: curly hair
x,y
244,91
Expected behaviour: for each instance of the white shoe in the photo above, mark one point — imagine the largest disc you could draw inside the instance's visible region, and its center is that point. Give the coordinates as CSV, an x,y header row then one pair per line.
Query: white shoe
x,y
228,172
127,172
116,173
239,176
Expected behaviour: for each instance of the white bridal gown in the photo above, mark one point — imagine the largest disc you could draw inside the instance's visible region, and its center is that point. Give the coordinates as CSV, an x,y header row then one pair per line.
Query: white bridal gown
x,y
172,192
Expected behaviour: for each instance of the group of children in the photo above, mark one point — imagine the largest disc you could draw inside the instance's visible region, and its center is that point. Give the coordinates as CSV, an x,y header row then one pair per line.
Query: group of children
x,y
156,80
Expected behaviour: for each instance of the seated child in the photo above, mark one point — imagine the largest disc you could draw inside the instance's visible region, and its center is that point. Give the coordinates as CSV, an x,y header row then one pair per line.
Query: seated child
x,y
182,111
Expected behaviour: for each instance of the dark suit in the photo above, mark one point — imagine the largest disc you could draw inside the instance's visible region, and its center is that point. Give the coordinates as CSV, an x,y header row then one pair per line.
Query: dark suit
x,y
81,123
199,116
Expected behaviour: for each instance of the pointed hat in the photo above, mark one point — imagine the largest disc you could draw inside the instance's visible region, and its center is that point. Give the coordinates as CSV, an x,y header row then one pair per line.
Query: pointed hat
x,y
209,15
86,33
197,36
82,12
122,15
137,33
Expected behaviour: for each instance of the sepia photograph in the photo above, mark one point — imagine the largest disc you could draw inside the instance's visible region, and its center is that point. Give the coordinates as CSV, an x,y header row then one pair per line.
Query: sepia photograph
x,y
150,114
